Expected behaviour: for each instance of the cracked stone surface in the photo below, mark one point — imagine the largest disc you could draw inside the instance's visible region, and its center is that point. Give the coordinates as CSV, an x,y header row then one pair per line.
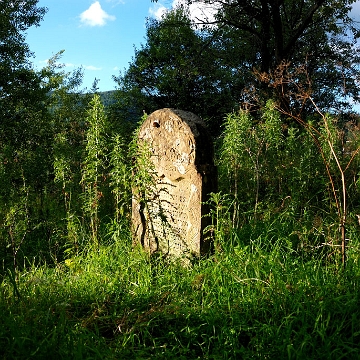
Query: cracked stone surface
x,y
170,219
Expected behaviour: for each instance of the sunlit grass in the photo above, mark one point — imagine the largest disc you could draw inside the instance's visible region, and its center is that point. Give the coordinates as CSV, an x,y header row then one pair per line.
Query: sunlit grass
x,y
245,301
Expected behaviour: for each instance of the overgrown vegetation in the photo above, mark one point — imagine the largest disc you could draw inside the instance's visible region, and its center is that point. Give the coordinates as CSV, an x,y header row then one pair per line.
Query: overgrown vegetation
x,y
258,297
274,287
73,286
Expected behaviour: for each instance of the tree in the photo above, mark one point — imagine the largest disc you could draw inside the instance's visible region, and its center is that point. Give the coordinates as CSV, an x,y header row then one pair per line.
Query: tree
x,y
179,67
24,136
319,34
17,80
23,119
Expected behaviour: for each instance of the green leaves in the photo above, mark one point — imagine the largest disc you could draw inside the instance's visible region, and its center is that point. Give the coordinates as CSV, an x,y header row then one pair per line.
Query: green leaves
x,y
318,34
94,165
16,75
179,67
272,126
120,177
95,141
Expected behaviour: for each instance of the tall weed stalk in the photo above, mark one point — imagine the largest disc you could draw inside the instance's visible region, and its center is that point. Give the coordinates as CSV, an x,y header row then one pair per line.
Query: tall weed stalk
x,y
337,158
120,179
248,154
17,222
94,165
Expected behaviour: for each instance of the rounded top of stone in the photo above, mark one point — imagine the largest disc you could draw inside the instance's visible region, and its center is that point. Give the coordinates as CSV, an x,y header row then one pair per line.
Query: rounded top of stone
x,y
178,141
162,117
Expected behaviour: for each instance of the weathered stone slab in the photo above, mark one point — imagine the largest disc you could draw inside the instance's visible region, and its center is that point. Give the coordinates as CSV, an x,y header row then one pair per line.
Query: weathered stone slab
x,y
170,217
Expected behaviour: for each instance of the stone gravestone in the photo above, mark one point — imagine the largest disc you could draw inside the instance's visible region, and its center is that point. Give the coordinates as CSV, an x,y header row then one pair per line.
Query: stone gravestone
x,y
171,219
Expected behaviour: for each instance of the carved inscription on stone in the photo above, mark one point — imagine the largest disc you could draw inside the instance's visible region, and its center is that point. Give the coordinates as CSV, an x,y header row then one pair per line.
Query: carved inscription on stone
x,y
171,219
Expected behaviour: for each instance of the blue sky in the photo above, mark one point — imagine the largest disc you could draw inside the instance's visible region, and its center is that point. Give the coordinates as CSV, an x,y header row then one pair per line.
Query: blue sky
x,y
99,35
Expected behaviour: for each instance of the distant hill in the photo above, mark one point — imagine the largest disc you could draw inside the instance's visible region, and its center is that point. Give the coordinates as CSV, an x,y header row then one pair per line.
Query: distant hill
x,y
107,97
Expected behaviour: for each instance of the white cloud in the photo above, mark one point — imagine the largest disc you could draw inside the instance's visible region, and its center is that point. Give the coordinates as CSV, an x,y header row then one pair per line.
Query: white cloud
x,y
95,16
199,12
158,11
92,68
355,10
203,12
116,2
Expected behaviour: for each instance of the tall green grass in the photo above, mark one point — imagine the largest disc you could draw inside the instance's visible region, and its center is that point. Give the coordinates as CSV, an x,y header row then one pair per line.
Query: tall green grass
x,y
74,287
247,300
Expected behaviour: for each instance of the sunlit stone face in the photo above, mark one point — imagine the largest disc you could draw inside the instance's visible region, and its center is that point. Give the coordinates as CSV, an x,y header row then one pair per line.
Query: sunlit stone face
x,y
182,154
